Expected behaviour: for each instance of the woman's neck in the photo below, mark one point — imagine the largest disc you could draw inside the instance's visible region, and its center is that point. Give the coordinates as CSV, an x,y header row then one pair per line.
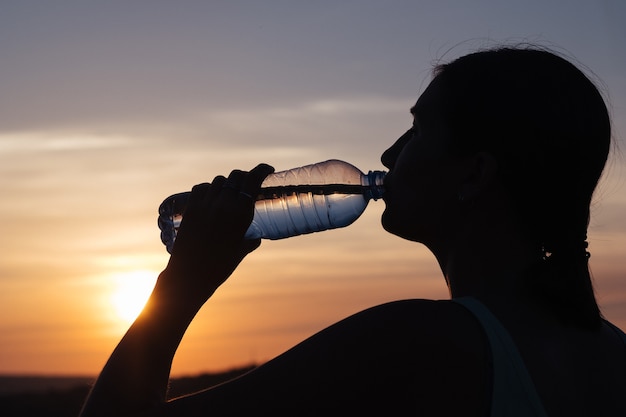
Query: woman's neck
x,y
487,255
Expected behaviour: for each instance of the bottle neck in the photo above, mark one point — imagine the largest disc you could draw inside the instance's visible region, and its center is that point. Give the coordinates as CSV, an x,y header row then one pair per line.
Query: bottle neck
x,y
373,180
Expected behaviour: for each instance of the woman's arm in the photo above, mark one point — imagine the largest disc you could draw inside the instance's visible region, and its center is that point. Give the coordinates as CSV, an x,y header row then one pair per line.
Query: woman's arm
x,y
386,360
208,248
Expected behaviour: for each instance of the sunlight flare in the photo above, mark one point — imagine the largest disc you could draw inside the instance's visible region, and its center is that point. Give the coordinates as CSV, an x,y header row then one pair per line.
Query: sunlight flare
x,y
131,292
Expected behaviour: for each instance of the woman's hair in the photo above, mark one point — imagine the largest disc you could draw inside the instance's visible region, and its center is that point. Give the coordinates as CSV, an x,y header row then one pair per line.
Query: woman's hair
x,y
549,129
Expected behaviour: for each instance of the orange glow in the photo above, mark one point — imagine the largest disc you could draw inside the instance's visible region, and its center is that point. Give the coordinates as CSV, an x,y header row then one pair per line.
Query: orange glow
x,y
98,129
131,291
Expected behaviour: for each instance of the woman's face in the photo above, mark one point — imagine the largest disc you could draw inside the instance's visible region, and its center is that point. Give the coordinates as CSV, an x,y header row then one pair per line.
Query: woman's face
x,y
422,186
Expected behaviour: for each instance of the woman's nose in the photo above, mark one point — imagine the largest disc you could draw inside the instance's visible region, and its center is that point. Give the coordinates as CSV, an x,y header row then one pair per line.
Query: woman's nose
x,y
388,158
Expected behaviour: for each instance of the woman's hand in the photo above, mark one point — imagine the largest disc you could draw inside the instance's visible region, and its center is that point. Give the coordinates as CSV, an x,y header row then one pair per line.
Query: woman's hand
x,y
210,242
209,246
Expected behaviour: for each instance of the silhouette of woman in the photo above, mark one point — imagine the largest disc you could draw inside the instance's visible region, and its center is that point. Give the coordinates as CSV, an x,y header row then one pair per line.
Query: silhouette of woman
x,y
496,178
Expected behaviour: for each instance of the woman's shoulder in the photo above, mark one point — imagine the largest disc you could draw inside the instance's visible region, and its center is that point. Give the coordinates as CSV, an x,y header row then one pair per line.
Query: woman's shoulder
x,y
437,319
437,344
422,330
439,332
421,356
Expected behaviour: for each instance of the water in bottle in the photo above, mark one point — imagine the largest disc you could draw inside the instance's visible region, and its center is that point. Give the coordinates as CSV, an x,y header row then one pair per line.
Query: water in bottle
x,y
312,198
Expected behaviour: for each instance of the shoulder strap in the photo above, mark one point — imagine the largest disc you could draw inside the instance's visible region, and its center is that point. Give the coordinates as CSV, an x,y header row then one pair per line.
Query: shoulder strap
x,y
514,393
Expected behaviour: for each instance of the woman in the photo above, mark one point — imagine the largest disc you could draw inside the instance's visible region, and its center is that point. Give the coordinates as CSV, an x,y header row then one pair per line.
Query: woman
x,y
495,177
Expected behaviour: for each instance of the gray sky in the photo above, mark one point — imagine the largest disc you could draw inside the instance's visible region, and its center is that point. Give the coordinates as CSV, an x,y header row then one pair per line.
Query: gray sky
x,y
108,107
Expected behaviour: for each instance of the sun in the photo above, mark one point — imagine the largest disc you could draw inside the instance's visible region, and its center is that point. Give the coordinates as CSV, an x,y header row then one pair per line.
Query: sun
x,y
130,293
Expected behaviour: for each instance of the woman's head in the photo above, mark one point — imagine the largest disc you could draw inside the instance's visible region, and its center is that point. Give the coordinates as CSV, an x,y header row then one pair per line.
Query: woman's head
x,y
547,128
546,125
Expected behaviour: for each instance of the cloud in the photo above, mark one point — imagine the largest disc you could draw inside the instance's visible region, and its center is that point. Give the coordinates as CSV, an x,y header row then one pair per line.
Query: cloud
x,y
354,125
32,142
331,106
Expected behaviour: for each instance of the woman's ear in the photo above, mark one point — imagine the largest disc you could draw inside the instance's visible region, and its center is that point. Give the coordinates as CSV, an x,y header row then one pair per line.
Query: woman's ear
x,y
481,171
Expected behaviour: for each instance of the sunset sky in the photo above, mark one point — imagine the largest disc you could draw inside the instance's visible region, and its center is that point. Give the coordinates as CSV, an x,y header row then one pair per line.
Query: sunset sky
x,y
108,107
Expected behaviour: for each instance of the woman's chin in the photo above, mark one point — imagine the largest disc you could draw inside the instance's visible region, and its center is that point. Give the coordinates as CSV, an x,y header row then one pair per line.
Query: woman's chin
x,y
402,229
392,225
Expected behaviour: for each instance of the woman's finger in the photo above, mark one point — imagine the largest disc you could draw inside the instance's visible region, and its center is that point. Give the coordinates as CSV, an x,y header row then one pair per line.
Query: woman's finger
x,y
254,179
235,180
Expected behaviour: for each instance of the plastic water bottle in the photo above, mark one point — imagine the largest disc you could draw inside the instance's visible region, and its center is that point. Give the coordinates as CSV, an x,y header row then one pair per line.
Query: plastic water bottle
x,y
312,198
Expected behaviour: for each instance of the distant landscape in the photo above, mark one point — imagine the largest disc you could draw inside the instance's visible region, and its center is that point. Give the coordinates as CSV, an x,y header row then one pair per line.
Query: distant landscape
x,y
34,396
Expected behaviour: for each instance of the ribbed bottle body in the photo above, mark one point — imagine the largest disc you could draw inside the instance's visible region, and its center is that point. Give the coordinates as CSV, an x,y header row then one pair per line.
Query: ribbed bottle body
x,y
312,198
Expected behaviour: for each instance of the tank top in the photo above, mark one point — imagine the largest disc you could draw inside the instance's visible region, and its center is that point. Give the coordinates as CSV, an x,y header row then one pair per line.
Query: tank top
x,y
513,392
